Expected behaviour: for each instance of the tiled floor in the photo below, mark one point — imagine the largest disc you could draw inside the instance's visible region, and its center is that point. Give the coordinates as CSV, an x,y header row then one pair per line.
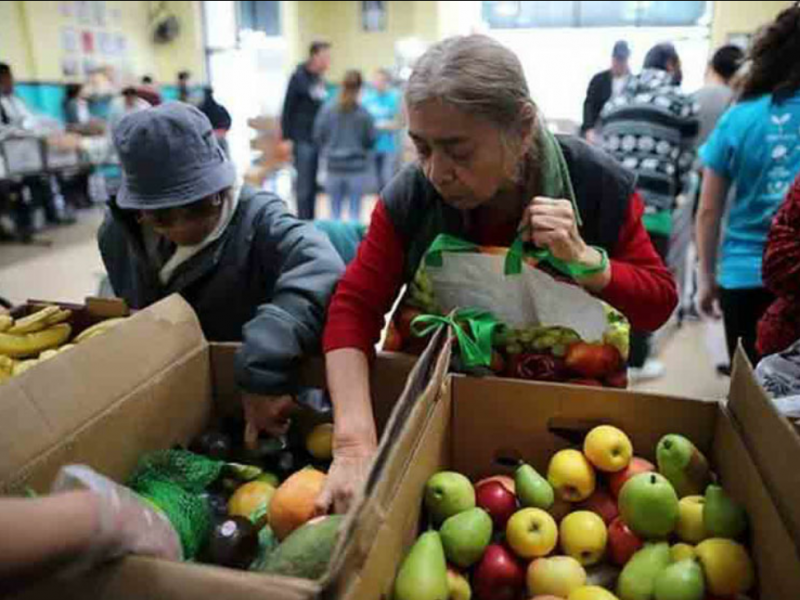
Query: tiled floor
x,y
71,269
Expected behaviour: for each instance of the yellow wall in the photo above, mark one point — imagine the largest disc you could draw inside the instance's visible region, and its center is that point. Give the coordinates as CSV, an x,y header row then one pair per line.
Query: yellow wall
x,y
30,40
733,17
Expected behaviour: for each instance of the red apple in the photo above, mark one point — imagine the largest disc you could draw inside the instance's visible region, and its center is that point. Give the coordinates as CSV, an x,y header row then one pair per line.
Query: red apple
x,y
499,575
602,503
494,498
508,482
636,466
592,361
622,542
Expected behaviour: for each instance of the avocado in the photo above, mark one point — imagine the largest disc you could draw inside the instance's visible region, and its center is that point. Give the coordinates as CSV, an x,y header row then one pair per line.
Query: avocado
x,y
306,552
233,543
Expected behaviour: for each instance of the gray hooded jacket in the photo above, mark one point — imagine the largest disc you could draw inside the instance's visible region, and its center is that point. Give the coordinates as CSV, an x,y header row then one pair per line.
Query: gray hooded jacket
x,y
266,281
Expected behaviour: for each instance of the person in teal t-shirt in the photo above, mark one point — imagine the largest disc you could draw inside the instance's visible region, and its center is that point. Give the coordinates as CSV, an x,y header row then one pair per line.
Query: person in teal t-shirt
x,y
383,103
755,148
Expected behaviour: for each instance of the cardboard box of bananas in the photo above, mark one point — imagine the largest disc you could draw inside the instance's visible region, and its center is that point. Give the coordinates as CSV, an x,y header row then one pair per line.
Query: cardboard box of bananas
x,y
39,336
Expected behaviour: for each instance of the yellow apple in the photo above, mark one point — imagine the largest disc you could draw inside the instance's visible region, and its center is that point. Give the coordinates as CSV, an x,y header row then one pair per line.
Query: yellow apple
x,y
557,576
727,567
531,533
690,520
608,448
591,592
571,475
458,585
682,552
583,536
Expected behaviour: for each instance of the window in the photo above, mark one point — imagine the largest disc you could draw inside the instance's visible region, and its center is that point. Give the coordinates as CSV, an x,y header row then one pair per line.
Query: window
x,y
260,15
519,15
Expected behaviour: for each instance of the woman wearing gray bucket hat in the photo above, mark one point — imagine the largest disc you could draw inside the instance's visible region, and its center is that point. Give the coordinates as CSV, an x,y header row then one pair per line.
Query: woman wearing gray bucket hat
x,y
251,271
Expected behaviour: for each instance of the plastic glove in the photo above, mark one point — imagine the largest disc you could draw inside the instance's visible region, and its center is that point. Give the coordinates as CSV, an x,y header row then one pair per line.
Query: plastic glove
x,y
126,524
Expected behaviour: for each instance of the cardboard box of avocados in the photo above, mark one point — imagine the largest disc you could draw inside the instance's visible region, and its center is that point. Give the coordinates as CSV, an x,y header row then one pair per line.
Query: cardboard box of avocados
x,y
472,422
150,383
773,441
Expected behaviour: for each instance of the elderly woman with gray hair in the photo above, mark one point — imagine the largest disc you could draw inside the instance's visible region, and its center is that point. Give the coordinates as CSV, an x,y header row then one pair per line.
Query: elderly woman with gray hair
x,y
252,271
486,167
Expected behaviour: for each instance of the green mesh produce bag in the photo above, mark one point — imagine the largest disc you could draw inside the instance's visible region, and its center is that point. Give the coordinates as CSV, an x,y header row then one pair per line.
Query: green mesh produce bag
x,y
173,480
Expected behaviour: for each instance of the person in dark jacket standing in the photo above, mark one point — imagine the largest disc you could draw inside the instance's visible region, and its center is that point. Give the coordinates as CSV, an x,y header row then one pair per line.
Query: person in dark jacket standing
x,y
219,117
345,133
250,270
304,97
604,86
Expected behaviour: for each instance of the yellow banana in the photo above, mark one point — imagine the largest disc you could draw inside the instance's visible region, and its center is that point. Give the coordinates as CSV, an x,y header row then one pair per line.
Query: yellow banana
x,y
65,347
6,323
96,329
31,344
35,322
48,354
6,364
59,317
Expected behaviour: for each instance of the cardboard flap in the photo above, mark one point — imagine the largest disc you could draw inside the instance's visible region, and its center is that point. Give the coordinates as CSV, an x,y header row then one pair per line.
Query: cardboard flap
x,y
771,439
45,408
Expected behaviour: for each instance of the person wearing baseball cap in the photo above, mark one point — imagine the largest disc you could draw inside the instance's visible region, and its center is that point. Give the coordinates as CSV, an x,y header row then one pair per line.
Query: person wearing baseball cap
x,y
252,272
604,86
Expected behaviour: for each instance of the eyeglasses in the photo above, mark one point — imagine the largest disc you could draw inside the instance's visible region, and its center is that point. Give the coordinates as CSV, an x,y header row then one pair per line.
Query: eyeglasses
x,y
197,211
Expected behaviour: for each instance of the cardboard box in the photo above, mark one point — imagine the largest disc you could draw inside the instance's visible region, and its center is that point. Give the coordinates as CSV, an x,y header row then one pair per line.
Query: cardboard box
x,y
147,384
772,440
474,421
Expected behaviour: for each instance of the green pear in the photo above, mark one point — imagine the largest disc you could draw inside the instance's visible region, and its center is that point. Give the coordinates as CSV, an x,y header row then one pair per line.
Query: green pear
x,y
448,493
722,516
465,536
423,574
638,578
682,580
533,490
649,506
683,464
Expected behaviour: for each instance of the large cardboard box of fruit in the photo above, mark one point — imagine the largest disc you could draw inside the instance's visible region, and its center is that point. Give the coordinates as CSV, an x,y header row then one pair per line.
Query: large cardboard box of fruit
x,y
773,441
475,429
148,384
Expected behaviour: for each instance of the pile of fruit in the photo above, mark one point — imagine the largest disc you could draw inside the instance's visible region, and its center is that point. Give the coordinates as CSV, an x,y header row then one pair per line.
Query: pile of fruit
x,y
537,353
602,525
38,337
261,507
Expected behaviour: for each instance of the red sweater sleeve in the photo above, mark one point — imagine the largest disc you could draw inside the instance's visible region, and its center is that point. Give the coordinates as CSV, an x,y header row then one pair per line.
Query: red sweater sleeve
x,y
641,287
781,267
368,288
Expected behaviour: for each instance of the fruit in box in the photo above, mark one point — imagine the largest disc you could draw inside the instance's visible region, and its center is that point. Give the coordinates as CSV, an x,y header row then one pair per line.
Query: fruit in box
x,y
498,576
249,498
727,567
682,551
465,536
458,585
583,536
292,505
532,489
233,543
495,499
591,592
608,449
603,504
691,524
649,506
571,475
620,478
723,517
638,578
622,542
423,574
593,361
531,533
558,576
508,482
307,551
448,493
683,464
682,580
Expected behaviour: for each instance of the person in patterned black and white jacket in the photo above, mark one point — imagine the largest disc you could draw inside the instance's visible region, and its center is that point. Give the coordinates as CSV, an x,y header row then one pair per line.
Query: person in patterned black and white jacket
x,y
650,128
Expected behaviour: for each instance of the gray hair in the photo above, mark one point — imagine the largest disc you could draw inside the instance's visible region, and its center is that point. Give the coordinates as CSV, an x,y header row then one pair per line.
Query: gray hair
x,y
475,74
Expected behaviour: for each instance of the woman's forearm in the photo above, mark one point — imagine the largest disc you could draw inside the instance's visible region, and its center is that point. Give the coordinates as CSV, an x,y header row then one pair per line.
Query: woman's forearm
x,y
348,384
709,218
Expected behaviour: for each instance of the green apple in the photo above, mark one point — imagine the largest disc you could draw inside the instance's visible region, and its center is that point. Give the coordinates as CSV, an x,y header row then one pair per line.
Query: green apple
x,y
682,580
465,536
448,493
649,506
